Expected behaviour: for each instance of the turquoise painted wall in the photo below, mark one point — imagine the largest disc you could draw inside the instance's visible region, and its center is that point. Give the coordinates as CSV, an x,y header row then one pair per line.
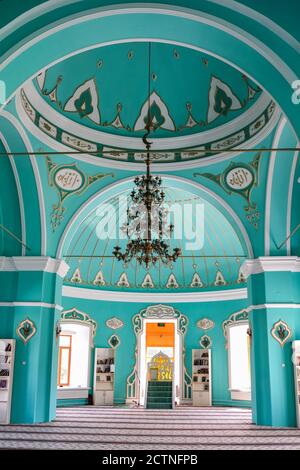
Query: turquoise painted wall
x,y
10,216
272,367
100,311
32,295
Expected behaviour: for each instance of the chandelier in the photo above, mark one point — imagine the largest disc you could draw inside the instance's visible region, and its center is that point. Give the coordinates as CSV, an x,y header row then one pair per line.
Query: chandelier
x,y
146,227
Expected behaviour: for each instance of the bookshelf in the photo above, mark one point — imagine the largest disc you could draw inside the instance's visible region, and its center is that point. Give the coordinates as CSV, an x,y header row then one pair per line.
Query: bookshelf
x,y
7,356
201,384
296,362
104,371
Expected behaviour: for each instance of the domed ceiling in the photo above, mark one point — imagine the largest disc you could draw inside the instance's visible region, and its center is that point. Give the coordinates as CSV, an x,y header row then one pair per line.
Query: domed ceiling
x,y
212,249
97,101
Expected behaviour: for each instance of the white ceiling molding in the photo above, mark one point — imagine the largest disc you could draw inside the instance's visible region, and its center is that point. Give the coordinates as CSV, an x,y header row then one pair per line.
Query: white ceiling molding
x,y
268,202
32,14
129,143
271,264
122,165
126,9
262,19
31,304
289,203
34,263
184,297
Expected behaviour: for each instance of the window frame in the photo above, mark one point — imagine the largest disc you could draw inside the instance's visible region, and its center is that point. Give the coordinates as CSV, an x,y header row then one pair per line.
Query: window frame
x,y
230,388
68,348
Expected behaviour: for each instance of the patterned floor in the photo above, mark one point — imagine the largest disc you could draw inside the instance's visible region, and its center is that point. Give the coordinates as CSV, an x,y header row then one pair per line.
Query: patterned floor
x,y
123,428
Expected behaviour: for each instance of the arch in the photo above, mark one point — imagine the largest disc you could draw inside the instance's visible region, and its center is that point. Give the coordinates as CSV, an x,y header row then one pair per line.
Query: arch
x,y
123,185
279,192
207,30
159,312
76,316
11,209
27,175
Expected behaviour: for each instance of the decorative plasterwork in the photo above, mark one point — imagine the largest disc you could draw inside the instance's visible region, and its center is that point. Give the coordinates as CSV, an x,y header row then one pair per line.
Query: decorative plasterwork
x,y
114,323
237,317
26,330
205,324
34,263
158,312
281,332
205,342
240,178
74,315
114,341
271,264
68,180
208,140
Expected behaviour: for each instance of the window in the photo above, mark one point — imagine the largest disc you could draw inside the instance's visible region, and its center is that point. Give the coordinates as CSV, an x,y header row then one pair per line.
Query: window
x,y
64,360
239,358
74,356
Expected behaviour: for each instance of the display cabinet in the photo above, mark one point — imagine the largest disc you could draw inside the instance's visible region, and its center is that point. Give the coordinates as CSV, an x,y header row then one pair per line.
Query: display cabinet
x,y
7,357
201,385
104,372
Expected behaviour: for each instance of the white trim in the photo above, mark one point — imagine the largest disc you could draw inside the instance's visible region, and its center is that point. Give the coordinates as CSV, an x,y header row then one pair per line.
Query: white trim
x,y
268,202
34,263
19,191
123,142
123,165
185,297
32,14
31,304
64,393
262,19
14,121
240,395
271,264
264,306
191,183
187,13
289,203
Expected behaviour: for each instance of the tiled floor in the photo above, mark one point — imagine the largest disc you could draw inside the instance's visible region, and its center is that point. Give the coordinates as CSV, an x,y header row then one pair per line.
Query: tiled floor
x,y
123,428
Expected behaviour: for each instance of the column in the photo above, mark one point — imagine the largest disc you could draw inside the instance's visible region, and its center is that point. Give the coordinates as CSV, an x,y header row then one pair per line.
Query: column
x,y
31,290
274,295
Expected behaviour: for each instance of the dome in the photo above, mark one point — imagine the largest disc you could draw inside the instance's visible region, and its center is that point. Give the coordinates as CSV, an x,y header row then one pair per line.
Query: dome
x,y
98,100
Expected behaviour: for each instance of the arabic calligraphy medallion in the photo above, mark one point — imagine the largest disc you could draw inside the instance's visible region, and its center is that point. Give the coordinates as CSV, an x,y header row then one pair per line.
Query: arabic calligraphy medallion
x,y
239,178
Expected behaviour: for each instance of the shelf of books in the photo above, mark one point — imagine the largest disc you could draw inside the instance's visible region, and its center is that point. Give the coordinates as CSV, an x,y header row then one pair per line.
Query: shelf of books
x,y
104,377
296,362
201,377
7,355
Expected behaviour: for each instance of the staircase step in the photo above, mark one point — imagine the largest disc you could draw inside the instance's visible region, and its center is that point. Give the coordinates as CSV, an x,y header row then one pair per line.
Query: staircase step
x,y
162,406
159,399
160,393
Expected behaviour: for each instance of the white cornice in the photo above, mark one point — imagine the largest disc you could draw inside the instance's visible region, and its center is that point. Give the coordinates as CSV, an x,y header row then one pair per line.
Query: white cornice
x,y
31,304
34,263
271,264
164,297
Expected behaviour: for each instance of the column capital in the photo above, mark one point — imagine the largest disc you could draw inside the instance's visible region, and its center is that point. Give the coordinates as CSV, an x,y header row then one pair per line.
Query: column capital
x,y
34,263
271,264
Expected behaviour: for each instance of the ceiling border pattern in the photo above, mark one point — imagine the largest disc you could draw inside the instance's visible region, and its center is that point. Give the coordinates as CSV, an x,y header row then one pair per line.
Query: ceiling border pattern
x,y
78,144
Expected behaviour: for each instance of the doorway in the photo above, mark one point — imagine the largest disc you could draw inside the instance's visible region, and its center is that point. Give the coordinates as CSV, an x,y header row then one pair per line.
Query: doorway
x,y
159,337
